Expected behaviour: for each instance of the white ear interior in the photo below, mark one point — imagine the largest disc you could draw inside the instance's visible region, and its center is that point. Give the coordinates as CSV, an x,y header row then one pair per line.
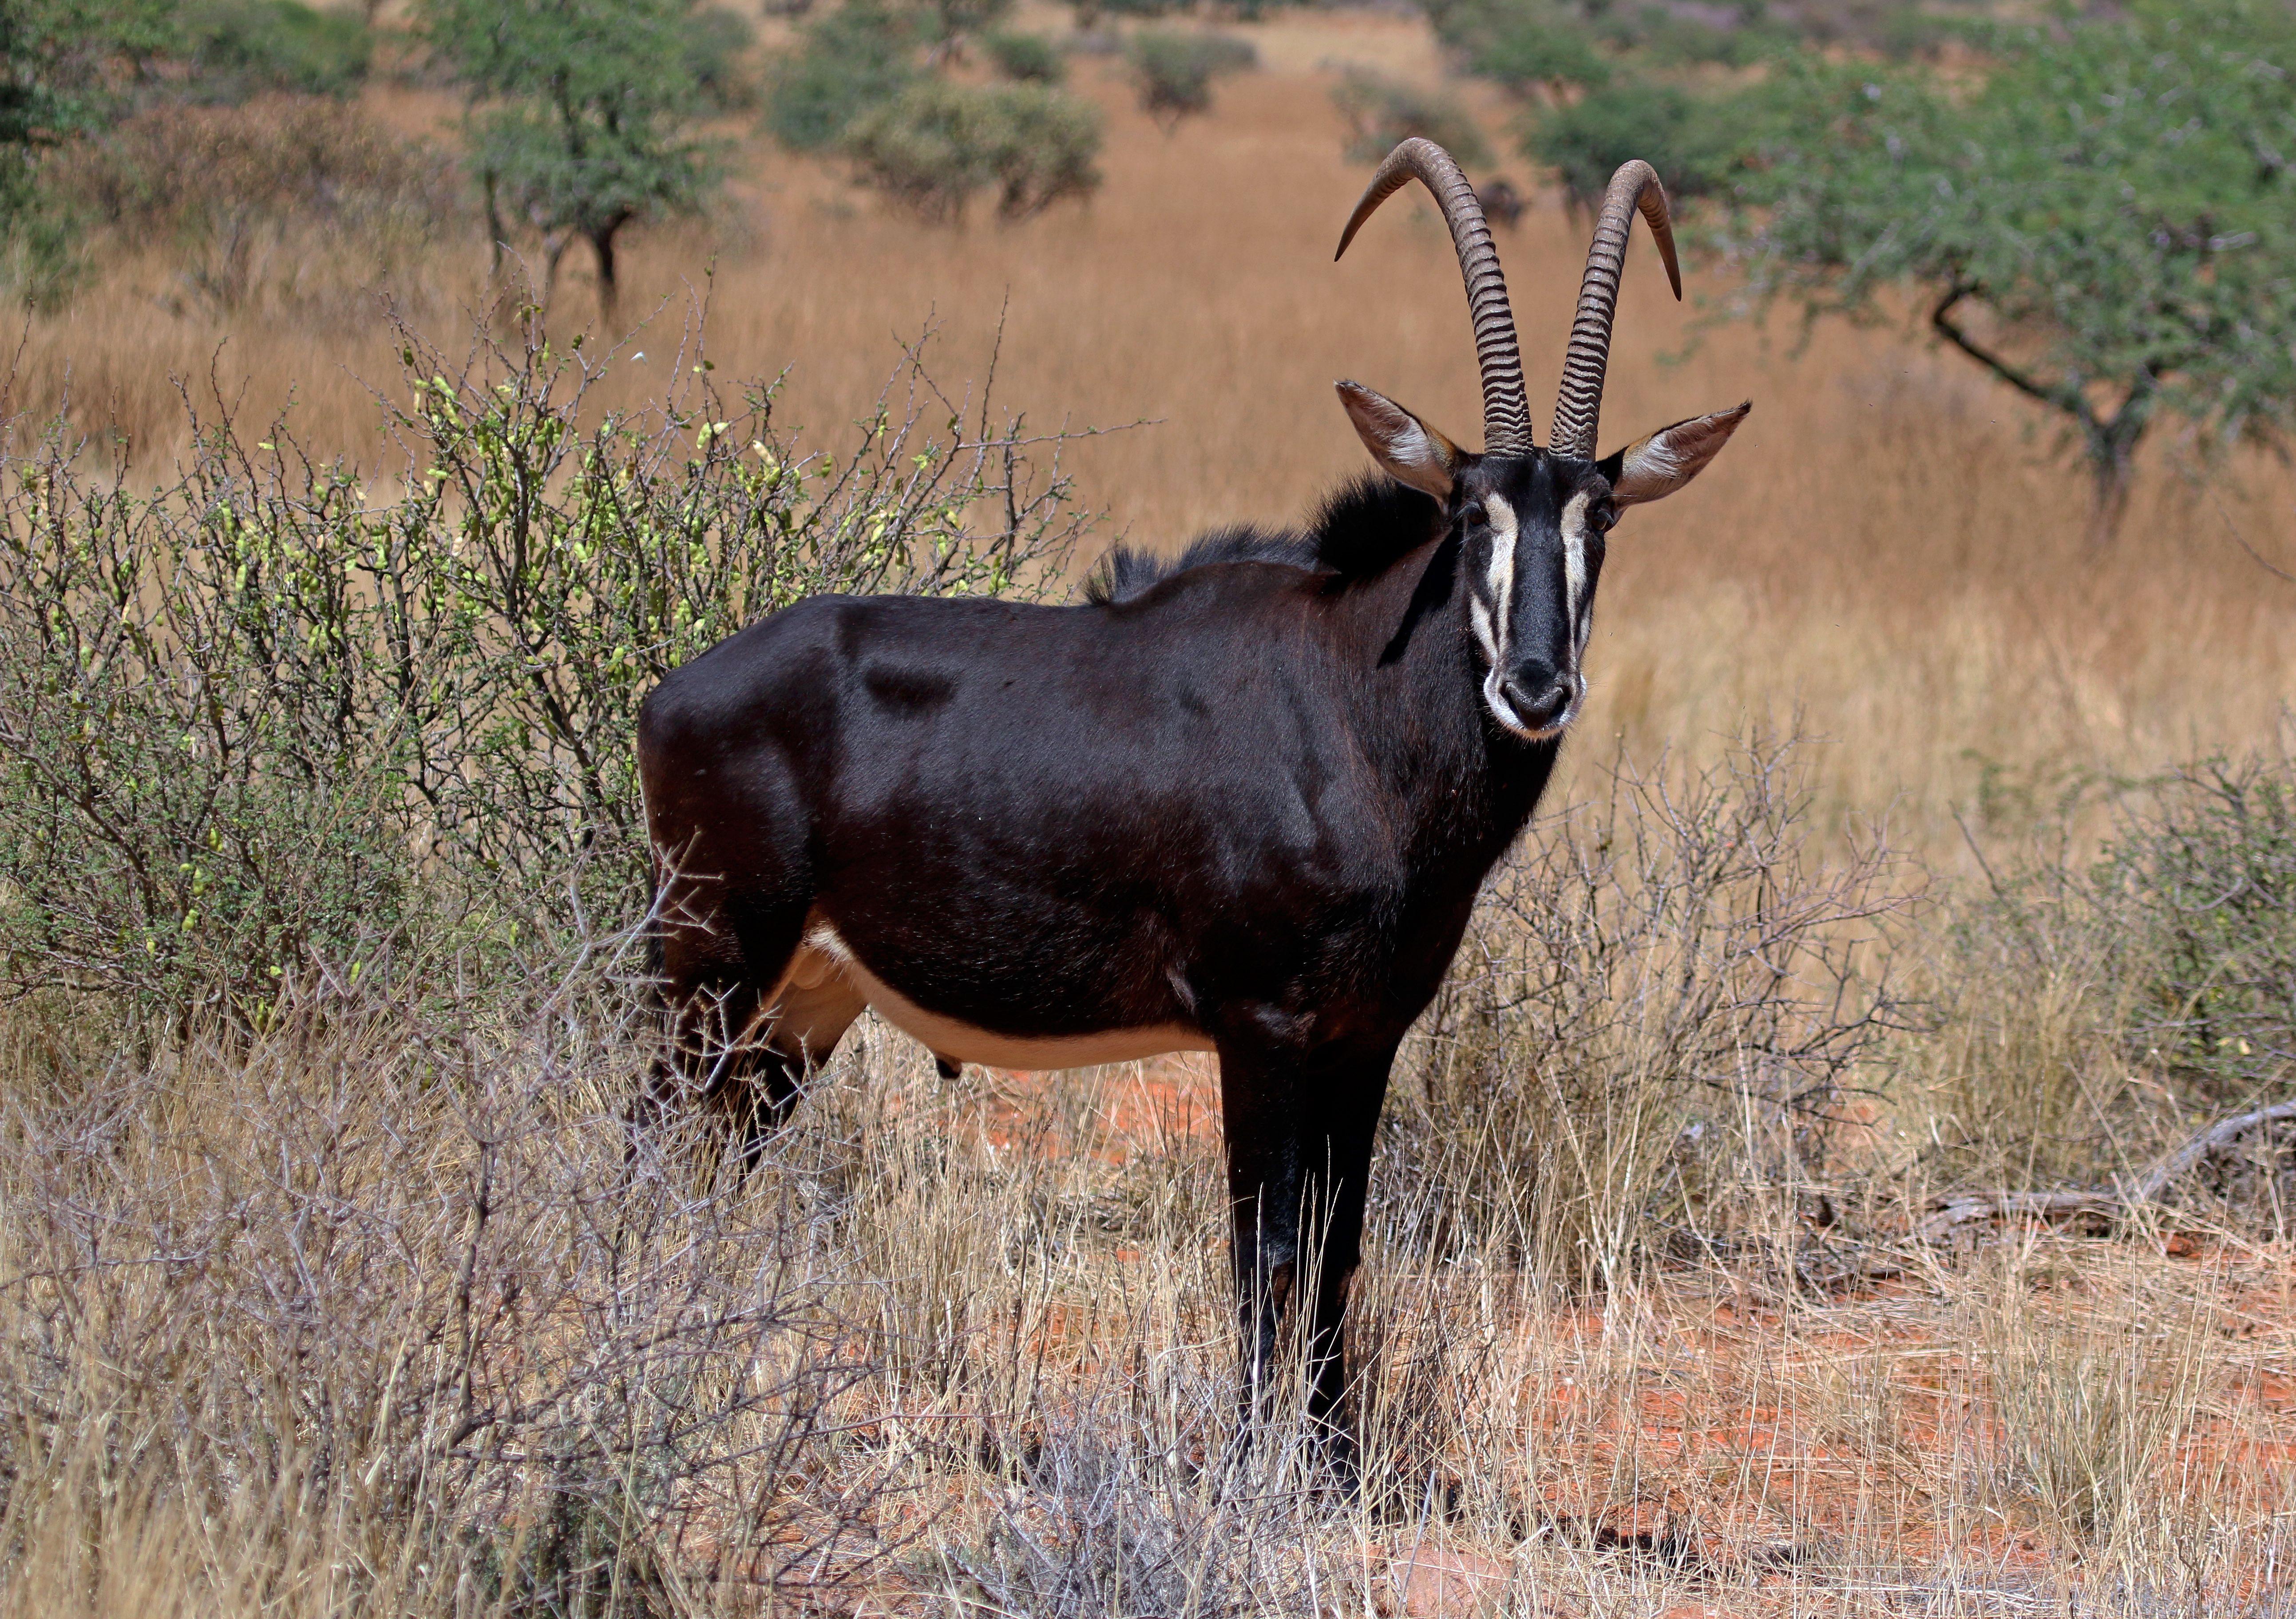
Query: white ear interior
x,y
1407,449
1654,467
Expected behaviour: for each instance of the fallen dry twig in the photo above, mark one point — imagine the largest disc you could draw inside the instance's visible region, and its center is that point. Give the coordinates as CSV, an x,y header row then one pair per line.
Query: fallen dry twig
x,y
1949,1214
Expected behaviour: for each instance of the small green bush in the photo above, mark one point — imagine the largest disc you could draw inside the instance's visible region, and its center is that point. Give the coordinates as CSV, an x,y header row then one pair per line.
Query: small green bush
x,y
1687,139
953,19
1665,38
1026,58
2204,880
1174,72
715,42
1381,111
852,62
940,143
238,47
1553,43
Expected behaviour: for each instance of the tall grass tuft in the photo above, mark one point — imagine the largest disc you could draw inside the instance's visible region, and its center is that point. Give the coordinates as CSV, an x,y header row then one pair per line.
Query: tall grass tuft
x,y
288,201
2091,1402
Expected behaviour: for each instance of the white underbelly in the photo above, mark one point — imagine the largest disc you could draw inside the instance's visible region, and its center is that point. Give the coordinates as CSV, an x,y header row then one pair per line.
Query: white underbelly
x,y
824,956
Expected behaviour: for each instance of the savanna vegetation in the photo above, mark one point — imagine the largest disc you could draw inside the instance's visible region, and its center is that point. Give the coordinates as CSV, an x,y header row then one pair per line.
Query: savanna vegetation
x,y
1849,1169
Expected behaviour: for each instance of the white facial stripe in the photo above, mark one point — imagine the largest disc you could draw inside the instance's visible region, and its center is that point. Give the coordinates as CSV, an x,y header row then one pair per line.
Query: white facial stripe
x,y
1501,578
1574,570
1490,611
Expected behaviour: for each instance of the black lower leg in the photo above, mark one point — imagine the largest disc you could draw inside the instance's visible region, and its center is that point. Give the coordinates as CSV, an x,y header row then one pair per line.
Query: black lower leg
x,y
1338,1184
1300,1136
705,1023
758,1099
1256,1107
717,1059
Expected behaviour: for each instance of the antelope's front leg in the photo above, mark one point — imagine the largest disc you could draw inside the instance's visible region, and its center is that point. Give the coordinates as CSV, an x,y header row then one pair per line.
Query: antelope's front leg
x,y
1300,1125
1258,1084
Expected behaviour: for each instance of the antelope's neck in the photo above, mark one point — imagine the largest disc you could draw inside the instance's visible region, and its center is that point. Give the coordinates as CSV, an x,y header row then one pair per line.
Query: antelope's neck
x,y
1465,785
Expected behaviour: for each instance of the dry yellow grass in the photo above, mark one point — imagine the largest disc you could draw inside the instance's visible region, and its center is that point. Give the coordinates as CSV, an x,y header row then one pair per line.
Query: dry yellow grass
x,y
1890,547
964,1351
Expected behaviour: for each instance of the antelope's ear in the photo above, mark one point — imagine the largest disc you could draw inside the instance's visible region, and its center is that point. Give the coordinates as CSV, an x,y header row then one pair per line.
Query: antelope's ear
x,y
1407,449
1654,467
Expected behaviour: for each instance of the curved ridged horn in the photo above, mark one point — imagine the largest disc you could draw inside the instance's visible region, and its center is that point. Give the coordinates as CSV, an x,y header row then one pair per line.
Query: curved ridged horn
x,y
1506,408
1578,406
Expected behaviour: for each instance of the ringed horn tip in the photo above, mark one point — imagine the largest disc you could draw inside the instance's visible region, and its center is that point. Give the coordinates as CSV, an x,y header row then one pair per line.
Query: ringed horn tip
x,y
1506,408
1579,404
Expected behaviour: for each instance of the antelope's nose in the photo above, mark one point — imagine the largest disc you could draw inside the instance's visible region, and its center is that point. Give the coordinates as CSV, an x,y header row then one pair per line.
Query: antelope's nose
x,y
1538,692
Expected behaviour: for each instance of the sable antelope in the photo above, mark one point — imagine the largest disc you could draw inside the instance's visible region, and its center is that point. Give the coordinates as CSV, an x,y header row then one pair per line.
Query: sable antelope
x,y
1240,802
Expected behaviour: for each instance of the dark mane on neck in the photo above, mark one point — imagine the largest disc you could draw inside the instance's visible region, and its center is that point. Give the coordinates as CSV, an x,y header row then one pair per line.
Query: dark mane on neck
x,y
1363,528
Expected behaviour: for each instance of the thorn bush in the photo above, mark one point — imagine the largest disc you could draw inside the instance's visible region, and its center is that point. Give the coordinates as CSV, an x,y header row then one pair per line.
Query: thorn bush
x,y
281,713
1026,58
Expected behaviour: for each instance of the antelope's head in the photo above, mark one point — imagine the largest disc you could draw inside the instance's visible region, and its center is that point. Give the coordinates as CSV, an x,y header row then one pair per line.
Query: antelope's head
x,y
1532,522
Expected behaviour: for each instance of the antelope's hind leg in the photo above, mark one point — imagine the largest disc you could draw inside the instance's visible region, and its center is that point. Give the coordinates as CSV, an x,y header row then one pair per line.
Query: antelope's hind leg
x,y
796,1032
749,1010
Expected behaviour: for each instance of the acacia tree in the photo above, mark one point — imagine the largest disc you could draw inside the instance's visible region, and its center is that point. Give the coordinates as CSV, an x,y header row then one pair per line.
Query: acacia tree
x,y
581,117
2105,224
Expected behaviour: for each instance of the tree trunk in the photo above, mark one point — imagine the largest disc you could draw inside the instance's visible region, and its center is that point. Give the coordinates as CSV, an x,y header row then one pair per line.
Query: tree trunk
x,y
2111,471
2112,457
495,230
602,240
2110,443
553,249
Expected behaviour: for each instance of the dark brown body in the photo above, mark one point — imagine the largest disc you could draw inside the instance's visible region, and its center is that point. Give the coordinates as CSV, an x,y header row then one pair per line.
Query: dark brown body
x,y
1246,809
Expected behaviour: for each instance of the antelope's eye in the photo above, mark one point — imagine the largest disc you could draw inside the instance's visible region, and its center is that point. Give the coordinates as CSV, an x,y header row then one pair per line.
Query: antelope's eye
x,y
1602,517
1474,515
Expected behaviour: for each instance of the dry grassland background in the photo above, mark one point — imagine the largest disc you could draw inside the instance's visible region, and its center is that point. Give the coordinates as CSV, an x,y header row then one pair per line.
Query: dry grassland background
x,y
365,1313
